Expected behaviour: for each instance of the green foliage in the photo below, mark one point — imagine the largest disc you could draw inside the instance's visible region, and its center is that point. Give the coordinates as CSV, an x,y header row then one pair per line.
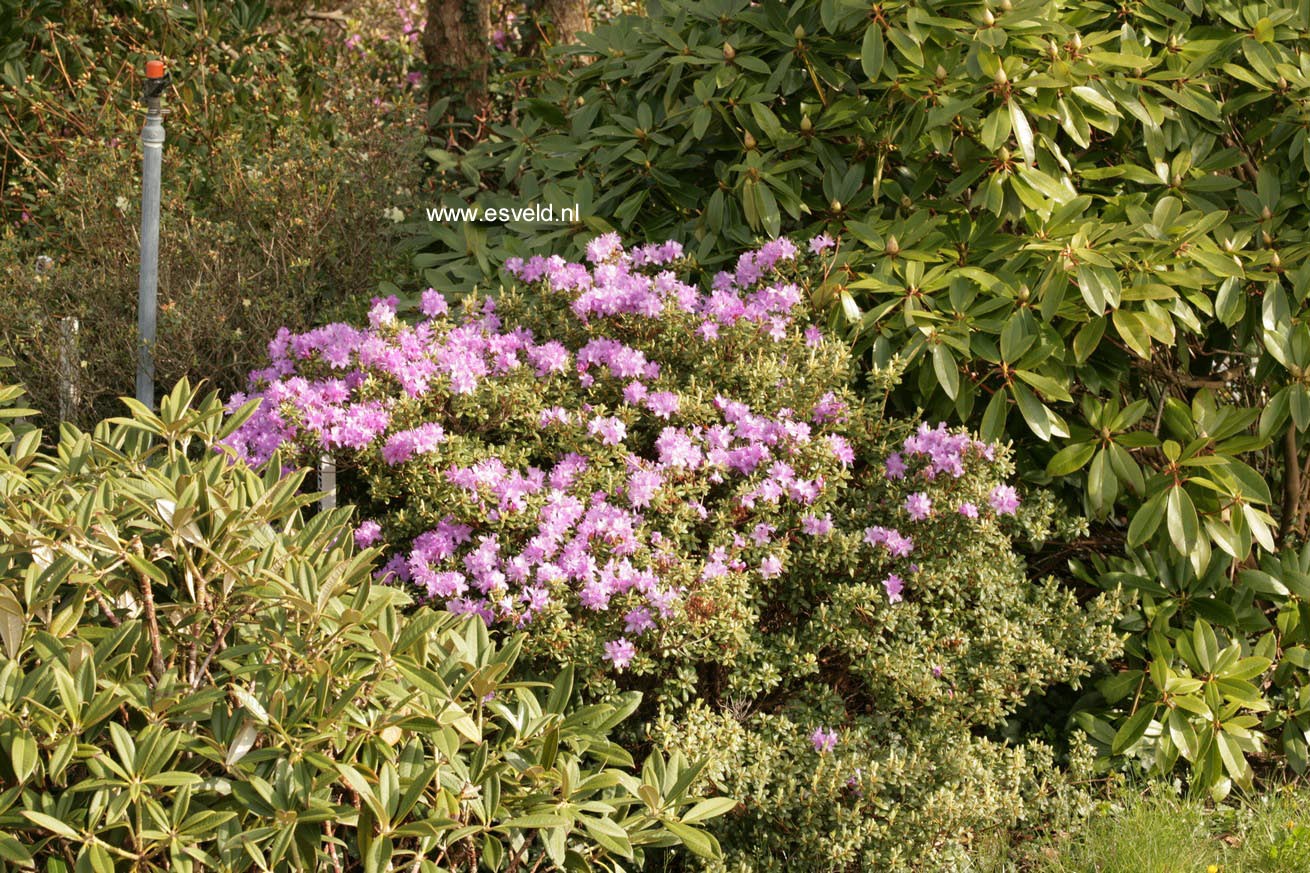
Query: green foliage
x,y
881,801
1005,310
279,172
1217,669
195,675
277,238
10,396
1079,224
254,68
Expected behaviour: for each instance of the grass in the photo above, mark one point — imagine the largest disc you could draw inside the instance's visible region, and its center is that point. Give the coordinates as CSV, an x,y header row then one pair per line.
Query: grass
x,y
1155,832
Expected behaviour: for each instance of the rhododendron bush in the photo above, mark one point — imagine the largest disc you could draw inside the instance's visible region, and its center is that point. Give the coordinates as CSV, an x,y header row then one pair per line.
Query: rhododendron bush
x,y
671,485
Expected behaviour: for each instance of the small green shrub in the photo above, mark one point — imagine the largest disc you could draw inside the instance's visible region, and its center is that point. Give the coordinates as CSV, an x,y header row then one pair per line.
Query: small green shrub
x,y
1217,673
882,800
196,676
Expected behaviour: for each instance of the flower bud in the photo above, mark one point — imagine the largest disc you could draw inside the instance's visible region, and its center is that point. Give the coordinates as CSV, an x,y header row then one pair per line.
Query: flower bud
x,y
1000,78
1004,6
893,247
728,51
1265,214
941,73
1076,41
1275,262
749,141
806,124
799,32
1004,155
835,206
988,18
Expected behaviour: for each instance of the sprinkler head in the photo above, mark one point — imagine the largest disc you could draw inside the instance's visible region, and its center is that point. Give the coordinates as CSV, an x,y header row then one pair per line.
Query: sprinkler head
x,y
157,82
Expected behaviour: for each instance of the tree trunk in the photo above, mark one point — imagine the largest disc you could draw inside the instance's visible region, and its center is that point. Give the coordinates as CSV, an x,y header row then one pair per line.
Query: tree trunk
x,y
456,44
568,17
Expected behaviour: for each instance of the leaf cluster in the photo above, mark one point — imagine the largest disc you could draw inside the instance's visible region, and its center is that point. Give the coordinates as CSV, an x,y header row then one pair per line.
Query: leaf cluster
x,y
197,673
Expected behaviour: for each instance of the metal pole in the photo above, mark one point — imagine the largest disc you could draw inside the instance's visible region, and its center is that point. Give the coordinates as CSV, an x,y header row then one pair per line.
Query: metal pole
x,y
152,142
69,395
327,482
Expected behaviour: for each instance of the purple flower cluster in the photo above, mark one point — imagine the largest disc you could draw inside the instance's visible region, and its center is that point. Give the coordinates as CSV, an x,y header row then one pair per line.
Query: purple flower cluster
x,y
926,455
943,452
367,534
599,545
622,282
824,740
1003,500
593,531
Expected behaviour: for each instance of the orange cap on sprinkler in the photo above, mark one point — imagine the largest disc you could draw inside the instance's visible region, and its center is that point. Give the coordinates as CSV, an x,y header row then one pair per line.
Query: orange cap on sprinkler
x,y
157,82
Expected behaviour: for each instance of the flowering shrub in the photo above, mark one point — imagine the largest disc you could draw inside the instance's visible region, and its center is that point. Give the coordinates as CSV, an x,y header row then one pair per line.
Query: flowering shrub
x,y
672,488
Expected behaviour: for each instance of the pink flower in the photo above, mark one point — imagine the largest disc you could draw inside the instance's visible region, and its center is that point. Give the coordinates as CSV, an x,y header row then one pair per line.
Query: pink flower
x,y
894,585
841,449
820,243
895,466
432,303
918,505
604,248
642,487
634,392
403,445
552,415
824,740
898,545
620,652
968,510
638,621
610,430
368,533
815,526
549,357
1004,500
383,311
662,403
